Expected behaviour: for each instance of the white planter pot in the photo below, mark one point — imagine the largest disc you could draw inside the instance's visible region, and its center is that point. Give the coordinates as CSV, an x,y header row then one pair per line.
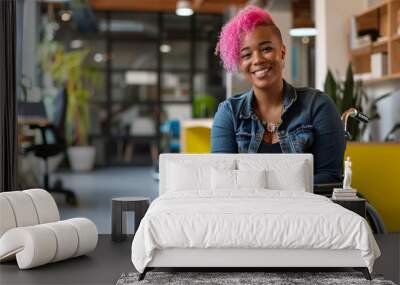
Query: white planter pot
x,y
81,158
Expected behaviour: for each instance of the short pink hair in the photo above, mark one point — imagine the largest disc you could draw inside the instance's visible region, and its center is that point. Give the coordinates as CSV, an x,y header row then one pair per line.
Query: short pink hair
x,y
228,46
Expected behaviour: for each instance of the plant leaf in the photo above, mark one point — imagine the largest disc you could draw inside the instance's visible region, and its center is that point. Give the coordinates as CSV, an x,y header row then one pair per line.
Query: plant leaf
x,y
330,87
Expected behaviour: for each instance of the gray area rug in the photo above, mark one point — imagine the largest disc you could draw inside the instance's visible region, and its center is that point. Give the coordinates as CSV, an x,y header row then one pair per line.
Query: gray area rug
x,y
229,278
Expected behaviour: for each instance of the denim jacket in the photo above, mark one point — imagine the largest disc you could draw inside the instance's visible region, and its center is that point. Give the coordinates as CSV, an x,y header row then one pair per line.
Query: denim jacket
x,y
310,124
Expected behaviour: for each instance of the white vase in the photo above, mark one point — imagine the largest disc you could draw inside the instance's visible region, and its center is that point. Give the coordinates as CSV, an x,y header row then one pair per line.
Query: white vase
x,y
81,158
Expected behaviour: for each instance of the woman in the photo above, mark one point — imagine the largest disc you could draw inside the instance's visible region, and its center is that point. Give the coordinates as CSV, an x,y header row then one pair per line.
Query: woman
x,y
273,117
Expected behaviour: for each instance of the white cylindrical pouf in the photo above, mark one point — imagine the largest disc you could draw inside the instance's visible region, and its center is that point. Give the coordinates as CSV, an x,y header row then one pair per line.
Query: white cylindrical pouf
x,y
33,246
7,218
67,240
23,208
87,234
45,205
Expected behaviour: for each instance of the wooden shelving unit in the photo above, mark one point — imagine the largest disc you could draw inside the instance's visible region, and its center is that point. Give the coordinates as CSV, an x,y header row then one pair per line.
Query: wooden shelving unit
x,y
382,18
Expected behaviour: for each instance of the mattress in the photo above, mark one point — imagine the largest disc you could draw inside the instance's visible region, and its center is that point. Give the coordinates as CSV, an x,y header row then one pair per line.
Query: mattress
x,y
250,219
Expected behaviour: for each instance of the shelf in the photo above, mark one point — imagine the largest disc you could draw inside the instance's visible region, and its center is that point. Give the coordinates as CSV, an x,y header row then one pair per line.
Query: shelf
x,y
378,46
396,38
381,17
380,43
373,8
361,51
382,79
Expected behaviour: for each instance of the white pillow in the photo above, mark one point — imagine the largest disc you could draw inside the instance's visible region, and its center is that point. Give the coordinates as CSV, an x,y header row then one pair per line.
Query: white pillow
x,y
251,178
281,174
223,179
183,177
193,175
293,180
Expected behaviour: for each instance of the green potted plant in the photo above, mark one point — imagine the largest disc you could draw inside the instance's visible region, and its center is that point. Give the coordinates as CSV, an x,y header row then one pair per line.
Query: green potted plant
x,y
204,106
68,71
350,93
346,94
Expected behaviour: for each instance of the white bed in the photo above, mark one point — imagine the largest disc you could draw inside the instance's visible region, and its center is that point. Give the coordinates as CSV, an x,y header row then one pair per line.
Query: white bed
x,y
204,220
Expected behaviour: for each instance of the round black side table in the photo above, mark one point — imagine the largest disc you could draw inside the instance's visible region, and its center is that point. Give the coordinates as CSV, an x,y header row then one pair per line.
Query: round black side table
x,y
139,205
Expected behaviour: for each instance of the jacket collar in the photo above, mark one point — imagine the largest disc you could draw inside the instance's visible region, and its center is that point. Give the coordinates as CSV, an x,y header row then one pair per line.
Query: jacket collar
x,y
247,111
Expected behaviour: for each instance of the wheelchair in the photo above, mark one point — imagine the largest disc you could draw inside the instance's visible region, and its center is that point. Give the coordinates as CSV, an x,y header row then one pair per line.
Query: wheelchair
x,y
374,219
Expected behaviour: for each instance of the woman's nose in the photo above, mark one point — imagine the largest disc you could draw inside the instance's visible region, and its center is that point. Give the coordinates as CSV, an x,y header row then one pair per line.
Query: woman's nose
x,y
258,58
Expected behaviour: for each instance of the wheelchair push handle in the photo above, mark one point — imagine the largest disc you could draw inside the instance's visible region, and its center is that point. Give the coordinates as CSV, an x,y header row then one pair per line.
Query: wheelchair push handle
x,y
355,114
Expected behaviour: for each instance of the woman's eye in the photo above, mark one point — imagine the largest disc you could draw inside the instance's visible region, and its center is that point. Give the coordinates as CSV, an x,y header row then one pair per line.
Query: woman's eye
x,y
245,56
266,49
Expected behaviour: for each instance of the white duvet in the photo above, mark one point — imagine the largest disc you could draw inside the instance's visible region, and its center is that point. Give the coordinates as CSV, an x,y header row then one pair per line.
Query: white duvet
x,y
254,218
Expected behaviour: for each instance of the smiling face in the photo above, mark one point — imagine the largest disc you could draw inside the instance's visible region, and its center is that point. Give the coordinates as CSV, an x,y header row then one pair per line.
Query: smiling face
x,y
262,57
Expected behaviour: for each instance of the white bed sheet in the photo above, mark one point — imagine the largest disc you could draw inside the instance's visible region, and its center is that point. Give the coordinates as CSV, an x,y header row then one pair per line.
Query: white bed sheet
x,y
252,218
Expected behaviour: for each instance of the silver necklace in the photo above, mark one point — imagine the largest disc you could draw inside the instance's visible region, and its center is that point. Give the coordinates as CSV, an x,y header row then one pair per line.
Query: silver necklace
x,y
271,127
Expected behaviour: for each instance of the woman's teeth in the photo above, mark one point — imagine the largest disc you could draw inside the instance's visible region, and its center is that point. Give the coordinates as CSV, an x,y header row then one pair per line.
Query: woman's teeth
x,y
262,73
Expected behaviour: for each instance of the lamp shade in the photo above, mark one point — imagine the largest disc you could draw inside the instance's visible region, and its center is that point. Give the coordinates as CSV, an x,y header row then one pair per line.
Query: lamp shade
x,y
184,8
302,20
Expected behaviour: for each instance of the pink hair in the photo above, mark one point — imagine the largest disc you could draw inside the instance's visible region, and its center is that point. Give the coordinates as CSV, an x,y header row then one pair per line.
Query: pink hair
x,y
228,46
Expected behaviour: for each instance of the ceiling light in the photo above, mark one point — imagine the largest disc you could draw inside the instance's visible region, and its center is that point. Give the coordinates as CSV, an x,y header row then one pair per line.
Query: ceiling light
x,y
66,15
303,32
184,8
303,19
165,48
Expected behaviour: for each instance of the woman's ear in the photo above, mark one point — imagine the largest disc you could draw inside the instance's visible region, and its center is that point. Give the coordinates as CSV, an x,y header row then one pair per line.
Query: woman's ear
x,y
283,52
283,55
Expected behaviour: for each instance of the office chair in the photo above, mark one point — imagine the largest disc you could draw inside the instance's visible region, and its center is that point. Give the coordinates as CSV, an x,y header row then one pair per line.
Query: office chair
x,y
51,147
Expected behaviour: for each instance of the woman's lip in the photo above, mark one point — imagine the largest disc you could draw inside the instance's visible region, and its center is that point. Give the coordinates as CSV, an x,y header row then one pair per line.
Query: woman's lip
x,y
261,73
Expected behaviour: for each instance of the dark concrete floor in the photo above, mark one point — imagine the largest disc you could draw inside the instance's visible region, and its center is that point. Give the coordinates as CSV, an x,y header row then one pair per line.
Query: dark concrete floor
x,y
102,266
110,259
95,190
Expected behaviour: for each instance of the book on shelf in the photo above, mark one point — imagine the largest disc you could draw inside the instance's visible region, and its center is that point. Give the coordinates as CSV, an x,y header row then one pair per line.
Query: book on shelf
x,y
379,64
364,41
352,32
363,76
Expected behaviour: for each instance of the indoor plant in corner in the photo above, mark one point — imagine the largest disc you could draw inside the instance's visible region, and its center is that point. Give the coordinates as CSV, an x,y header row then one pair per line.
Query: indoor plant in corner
x,y
350,93
68,70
